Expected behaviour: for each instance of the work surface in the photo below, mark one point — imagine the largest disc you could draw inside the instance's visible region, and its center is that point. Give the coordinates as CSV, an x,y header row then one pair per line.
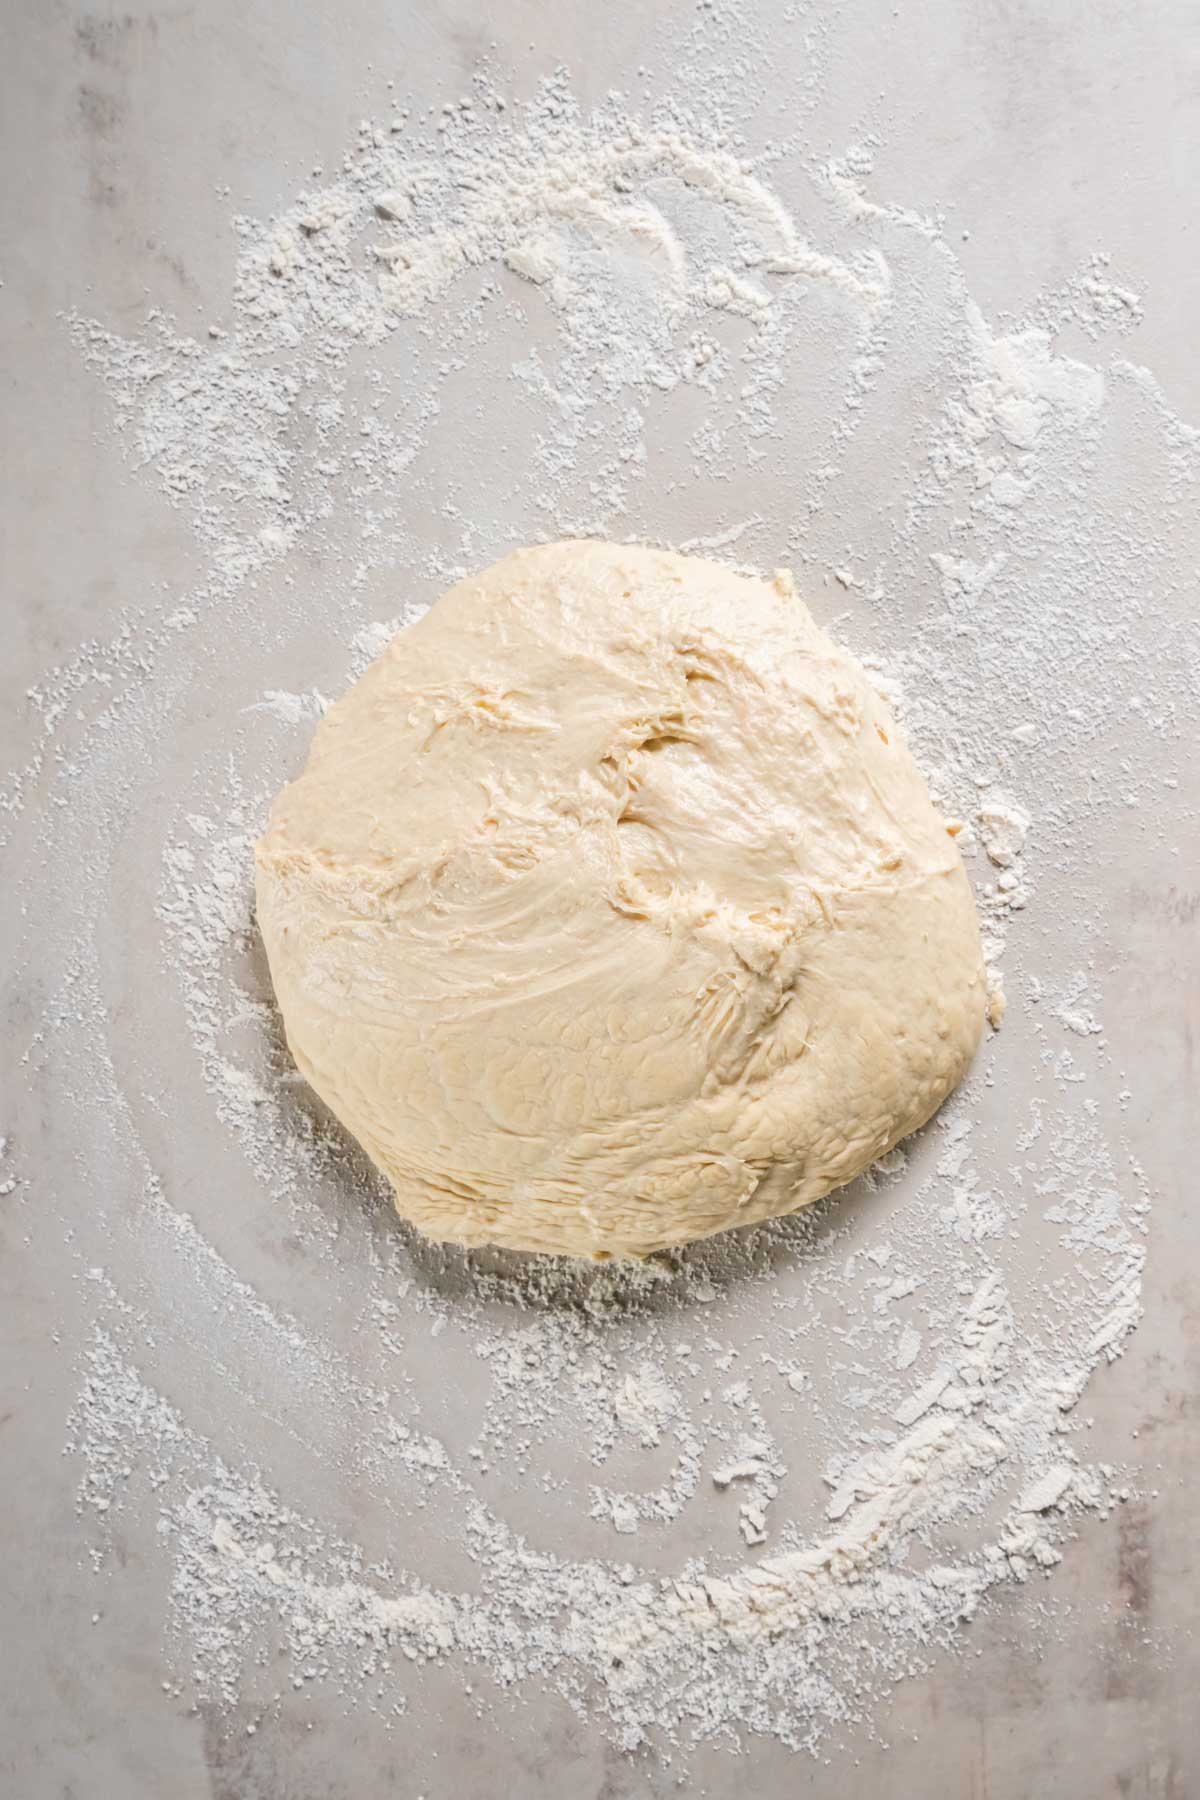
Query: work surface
x,y
284,1490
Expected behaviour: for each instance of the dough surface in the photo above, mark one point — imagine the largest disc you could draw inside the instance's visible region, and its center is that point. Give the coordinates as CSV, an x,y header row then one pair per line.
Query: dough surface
x,y
611,910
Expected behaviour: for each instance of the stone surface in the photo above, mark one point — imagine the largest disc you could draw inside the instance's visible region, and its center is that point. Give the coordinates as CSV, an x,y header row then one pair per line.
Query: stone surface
x,y
1047,129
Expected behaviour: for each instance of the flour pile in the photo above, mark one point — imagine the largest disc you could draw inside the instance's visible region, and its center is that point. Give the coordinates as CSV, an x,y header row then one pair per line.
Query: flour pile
x,y
742,1489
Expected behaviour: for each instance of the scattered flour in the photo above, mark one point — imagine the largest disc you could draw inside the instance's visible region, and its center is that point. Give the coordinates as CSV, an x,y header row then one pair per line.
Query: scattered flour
x,y
525,323
1003,827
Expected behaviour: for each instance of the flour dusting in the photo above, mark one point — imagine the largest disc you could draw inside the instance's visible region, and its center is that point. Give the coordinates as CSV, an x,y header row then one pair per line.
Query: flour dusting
x,y
751,1487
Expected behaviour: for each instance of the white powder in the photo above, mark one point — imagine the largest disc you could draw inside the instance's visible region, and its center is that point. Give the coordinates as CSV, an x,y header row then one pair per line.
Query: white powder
x,y
293,709
512,330
643,1404
1003,827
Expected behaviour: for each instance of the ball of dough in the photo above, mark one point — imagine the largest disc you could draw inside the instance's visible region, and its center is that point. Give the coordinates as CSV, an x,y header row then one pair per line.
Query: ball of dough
x,y
611,910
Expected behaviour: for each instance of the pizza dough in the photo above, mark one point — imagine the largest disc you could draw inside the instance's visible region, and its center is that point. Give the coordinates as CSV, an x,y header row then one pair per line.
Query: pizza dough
x,y
611,910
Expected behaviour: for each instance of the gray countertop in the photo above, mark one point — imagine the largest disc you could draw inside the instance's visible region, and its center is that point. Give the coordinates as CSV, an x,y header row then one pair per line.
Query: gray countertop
x,y
1040,134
